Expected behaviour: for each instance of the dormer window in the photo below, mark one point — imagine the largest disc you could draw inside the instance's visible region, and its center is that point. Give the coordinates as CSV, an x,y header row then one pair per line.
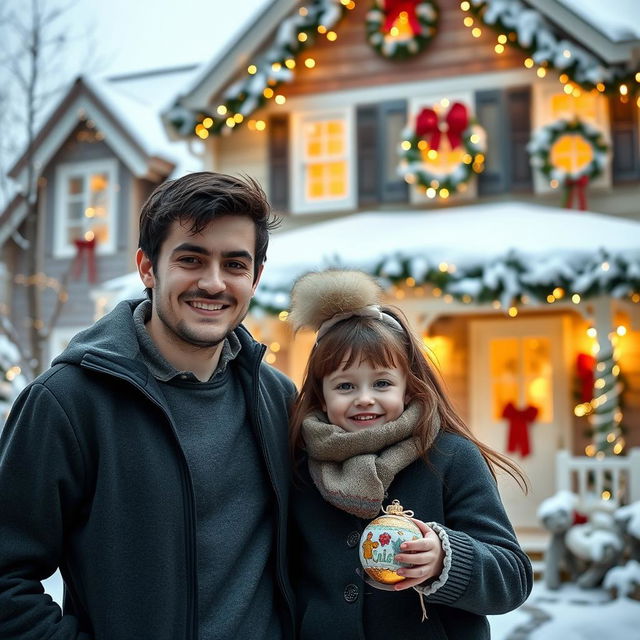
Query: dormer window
x,y
323,157
85,206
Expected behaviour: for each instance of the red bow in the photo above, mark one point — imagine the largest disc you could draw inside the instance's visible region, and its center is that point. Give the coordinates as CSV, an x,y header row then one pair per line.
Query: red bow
x,y
393,9
85,247
578,186
454,125
584,369
519,419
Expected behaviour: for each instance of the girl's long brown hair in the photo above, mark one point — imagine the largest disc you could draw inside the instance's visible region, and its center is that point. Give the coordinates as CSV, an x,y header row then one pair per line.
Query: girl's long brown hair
x,y
364,339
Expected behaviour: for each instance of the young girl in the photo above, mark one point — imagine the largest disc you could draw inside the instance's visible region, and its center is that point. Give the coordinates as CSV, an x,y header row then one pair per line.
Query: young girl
x,y
373,424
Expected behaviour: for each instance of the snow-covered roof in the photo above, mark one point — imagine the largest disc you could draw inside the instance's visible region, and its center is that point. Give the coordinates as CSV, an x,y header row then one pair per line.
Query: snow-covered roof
x,y
482,252
618,20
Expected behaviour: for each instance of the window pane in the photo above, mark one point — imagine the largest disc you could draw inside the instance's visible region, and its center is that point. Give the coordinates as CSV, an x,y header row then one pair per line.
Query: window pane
x,y
335,128
101,232
538,378
395,123
73,233
314,149
75,212
335,147
75,185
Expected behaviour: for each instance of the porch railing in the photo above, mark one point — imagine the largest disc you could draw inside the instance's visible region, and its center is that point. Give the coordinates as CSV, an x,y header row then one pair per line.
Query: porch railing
x,y
616,479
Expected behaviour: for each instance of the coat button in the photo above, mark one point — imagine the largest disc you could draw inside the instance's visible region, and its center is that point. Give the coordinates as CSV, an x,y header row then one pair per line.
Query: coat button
x,y
352,539
351,592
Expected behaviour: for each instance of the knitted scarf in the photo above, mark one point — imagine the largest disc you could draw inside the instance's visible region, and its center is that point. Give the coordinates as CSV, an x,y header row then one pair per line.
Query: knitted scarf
x,y
353,470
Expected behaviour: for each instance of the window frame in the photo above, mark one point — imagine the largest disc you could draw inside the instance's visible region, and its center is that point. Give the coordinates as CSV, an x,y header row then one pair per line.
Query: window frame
x,y
109,166
299,202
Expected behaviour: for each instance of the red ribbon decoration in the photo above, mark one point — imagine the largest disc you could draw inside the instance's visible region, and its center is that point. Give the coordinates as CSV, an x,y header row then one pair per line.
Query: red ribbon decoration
x,y
585,365
578,187
429,127
85,248
393,9
519,419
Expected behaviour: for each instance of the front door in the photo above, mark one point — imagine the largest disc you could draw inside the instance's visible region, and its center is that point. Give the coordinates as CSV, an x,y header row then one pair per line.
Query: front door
x,y
518,363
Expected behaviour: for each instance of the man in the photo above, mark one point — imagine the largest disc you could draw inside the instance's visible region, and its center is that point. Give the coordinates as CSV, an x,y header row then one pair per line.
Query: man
x,y
150,462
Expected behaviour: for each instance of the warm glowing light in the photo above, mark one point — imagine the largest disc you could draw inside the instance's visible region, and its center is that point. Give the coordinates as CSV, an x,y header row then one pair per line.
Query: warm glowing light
x,y
590,450
290,63
551,298
207,122
444,193
280,99
617,448
465,6
605,266
502,39
496,304
89,236
268,92
554,184
448,298
431,192
615,370
564,78
621,330
476,32
332,36
276,66
260,125
600,87
238,117
410,282
575,298
283,315
406,145
468,21
529,63
432,154
444,267
203,133
252,69
275,347
558,292
606,495
322,28
309,63
222,110
303,11
566,53
591,332
230,122
89,212
350,5
541,72
499,48
599,384
270,358
444,103
437,292
422,145
568,89
302,37
624,90
513,312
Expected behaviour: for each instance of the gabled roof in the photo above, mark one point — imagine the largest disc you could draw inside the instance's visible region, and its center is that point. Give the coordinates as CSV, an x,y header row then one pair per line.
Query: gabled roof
x,y
272,35
131,127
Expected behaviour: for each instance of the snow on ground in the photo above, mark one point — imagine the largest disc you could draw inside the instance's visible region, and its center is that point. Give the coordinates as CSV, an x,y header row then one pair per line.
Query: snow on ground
x,y
570,613
567,614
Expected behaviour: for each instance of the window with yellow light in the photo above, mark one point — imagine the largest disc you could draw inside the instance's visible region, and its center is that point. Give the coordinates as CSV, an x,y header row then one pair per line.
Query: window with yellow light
x,y
325,160
521,373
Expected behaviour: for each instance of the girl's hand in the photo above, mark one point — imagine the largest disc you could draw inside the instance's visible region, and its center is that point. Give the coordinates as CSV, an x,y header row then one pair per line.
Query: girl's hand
x,y
426,554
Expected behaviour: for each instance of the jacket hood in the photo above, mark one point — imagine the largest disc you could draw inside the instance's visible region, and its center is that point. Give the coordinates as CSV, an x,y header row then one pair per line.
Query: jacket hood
x,y
113,337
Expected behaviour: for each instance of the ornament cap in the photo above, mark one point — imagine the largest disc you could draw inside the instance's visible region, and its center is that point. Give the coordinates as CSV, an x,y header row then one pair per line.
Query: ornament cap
x,y
396,509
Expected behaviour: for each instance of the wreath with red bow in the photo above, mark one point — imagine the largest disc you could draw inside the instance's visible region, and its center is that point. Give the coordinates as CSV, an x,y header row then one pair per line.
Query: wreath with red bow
x,y
401,28
434,129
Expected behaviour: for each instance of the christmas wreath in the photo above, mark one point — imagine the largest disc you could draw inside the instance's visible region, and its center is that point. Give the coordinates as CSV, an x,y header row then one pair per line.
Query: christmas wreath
x,y
401,28
570,153
443,150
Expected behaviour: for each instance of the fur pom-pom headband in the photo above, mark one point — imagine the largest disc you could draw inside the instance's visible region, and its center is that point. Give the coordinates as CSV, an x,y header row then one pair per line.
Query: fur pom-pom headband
x,y
322,299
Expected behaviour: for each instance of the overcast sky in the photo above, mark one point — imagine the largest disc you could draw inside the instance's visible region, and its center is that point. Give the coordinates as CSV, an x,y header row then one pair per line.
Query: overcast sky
x,y
135,35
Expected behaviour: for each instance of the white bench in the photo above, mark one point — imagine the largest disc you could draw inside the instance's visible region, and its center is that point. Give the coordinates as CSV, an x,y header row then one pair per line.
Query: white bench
x,y
590,477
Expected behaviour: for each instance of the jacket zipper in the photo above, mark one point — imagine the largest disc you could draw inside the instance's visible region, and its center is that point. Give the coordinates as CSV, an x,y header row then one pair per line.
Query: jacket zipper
x,y
192,632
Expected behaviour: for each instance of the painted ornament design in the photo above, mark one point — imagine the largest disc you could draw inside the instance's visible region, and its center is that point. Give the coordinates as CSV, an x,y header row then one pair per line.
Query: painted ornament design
x,y
381,540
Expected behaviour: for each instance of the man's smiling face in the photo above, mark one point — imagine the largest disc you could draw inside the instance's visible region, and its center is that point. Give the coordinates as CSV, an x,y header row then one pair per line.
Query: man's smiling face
x,y
203,282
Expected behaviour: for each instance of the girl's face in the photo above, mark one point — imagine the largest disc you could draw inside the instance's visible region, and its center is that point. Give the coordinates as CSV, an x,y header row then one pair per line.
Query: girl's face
x,y
363,396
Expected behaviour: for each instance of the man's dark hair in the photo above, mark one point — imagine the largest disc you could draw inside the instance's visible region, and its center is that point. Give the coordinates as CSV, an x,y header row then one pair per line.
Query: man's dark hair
x,y
197,199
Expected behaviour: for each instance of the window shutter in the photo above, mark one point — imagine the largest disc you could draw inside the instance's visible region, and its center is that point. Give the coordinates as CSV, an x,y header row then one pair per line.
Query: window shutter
x,y
368,150
624,139
518,103
490,115
279,161
392,119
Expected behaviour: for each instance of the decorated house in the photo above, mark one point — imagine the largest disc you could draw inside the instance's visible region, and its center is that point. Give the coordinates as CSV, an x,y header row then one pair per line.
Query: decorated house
x,y
94,159
457,150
